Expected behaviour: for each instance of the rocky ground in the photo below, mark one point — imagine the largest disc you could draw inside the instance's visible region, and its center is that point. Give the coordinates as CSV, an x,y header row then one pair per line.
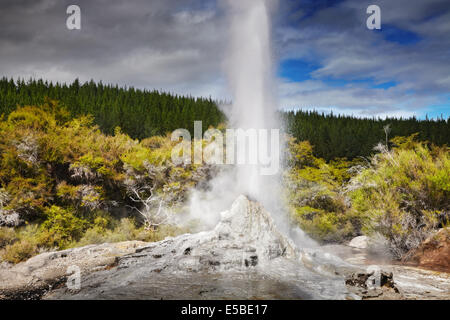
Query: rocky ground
x,y
244,257
412,282
38,275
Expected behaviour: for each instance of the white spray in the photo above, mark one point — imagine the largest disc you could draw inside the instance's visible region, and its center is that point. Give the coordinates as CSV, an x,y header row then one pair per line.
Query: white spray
x,y
249,71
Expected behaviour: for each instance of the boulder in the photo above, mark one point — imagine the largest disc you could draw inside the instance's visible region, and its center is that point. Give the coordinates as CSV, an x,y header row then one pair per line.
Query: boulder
x,y
372,285
244,257
32,278
361,242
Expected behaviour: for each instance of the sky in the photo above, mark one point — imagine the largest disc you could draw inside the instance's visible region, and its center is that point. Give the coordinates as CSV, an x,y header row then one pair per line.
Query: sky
x,y
324,56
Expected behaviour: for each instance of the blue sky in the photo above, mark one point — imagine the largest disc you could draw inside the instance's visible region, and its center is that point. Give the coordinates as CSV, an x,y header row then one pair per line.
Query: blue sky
x,y
331,61
325,58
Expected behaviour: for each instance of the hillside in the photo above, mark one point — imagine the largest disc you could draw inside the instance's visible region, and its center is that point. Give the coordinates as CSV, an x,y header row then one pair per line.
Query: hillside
x,y
142,114
139,113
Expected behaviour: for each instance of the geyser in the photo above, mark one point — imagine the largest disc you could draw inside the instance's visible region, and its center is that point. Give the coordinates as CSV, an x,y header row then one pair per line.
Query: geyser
x,y
248,67
244,257
249,71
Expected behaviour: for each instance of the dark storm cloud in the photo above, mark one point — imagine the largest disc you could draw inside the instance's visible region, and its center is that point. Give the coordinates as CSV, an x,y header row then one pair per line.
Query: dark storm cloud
x,y
176,45
179,46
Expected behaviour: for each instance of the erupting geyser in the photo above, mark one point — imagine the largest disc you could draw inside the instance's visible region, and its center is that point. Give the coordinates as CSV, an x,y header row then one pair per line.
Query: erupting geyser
x,y
244,257
249,70
248,67
244,254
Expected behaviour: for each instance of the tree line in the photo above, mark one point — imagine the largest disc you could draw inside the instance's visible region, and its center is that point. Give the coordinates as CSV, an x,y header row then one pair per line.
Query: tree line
x,y
338,136
139,113
144,113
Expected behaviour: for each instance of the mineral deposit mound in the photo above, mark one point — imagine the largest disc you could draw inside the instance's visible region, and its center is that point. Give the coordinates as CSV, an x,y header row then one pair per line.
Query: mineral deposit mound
x,y
244,257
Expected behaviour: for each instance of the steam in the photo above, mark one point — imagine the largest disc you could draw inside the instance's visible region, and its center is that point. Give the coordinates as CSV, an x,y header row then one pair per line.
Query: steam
x,y
249,71
248,67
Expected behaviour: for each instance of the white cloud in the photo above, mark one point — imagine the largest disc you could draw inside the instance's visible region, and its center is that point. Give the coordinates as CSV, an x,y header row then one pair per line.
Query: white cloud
x,y
162,44
336,39
359,101
179,46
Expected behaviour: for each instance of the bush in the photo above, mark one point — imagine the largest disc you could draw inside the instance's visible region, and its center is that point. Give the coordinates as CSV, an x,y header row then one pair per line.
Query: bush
x,y
126,230
326,226
19,251
61,228
404,193
23,244
314,192
62,176
7,236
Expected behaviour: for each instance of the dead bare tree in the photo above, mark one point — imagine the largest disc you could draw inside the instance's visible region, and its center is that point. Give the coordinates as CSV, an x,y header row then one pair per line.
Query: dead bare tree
x,y
152,194
384,151
387,130
153,209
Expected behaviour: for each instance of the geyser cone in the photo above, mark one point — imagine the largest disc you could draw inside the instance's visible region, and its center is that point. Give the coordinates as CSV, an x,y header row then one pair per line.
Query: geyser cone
x,y
244,257
246,234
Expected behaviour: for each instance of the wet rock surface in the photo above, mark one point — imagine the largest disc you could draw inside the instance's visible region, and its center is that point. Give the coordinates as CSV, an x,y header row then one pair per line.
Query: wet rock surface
x,y
411,282
38,275
244,257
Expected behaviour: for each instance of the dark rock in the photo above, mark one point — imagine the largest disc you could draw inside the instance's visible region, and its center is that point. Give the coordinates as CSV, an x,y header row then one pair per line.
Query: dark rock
x,y
366,285
434,252
10,219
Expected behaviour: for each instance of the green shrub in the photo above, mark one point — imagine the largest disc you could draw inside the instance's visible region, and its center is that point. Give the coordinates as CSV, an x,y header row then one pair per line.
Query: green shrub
x,y
404,193
61,227
19,251
315,195
126,230
7,236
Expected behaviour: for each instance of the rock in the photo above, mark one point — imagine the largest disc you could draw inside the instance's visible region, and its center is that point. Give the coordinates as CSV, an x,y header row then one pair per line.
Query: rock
x,y
245,236
415,283
10,219
412,282
32,278
244,257
370,285
434,252
361,242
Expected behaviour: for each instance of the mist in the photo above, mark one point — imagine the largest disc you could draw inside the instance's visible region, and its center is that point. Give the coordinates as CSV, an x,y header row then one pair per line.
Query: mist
x,y
249,69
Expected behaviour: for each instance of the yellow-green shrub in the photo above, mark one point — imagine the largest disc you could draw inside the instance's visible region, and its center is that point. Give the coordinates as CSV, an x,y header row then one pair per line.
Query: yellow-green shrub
x,y
19,251
61,227
63,176
7,236
314,192
22,246
125,230
404,193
